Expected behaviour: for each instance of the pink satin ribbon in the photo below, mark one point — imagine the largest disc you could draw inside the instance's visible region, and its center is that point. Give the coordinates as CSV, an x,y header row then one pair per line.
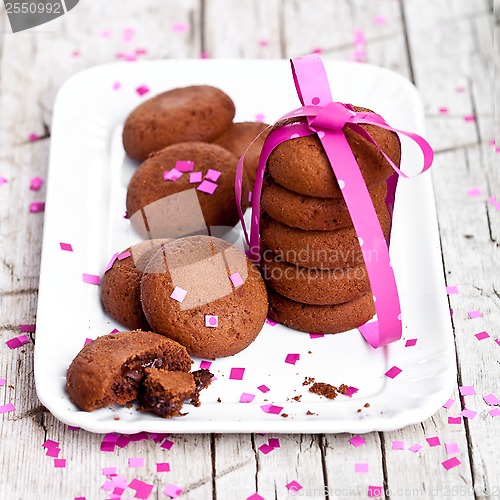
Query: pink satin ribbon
x,y
327,119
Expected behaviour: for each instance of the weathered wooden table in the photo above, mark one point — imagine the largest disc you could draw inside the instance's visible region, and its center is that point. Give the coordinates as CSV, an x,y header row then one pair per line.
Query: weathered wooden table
x,y
447,48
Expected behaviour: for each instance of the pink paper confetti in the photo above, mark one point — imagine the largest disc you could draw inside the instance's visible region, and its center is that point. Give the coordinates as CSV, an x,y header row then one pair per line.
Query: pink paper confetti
x,y
205,55
393,372
491,399
263,43
236,280
265,448
49,443
375,491
59,463
469,118
452,290
443,110
172,175
17,341
110,263
260,117
142,490
449,403
357,441
292,358
247,398
33,137
108,471
249,196
178,294
195,177
3,180
474,192
27,328
184,165
167,444
92,279
360,468
128,34
450,463
467,390
497,341
454,420
433,441
460,89
274,442
7,408
470,414
162,467
116,86
482,335
294,486
36,183
136,462
37,207
410,342
263,388
205,365
415,448
124,255
213,175
142,90
236,373
2,381
271,322
474,314
255,496
275,410
359,37
172,490
492,200
53,452
88,341
211,321
180,27
66,247
380,20
451,448
398,445
495,412
207,187
351,390
107,447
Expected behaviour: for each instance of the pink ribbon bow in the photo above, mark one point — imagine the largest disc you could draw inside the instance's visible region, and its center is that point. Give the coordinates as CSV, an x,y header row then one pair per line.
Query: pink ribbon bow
x,y
327,119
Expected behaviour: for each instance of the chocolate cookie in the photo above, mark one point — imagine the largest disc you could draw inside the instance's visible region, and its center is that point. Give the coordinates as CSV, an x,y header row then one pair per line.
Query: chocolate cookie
x,y
321,249
311,213
197,113
110,369
321,319
238,137
206,294
183,207
121,284
302,166
314,286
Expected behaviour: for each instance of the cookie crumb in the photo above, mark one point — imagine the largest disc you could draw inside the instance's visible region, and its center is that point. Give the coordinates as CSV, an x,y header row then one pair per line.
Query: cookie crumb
x,y
310,413
297,398
322,389
367,405
308,380
284,415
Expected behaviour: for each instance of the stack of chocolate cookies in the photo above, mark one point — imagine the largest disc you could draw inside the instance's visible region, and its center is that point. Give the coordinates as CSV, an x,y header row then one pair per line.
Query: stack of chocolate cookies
x,y
311,255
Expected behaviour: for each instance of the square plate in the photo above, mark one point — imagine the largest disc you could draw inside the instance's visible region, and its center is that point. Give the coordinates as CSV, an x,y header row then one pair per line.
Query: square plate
x,y
88,177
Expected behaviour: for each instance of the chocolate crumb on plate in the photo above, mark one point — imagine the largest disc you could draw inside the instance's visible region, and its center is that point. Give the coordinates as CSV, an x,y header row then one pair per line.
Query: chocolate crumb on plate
x,y
327,390
308,380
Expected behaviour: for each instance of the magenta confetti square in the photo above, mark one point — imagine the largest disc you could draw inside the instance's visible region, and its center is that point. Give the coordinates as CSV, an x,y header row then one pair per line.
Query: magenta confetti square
x,y
107,447
393,372
275,410
474,314
143,490
380,20
88,341
491,399
410,342
271,322
92,279
470,414
184,165
162,467
195,177
27,328
205,365
449,403
455,420
274,442
247,398
255,496
482,335
375,491
452,290
180,27
237,373
236,280
2,381
172,490
470,118
66,247
495,412
33,137
433,441
398,445
49,443
167,444
207,187
443,110
7,408
142,90
474,192
136,462
124,255
36,183
111,262
292,358
497,341
294,486
179,294
17,342
263,388
59,463
116,86
3,180
357,441
213,175
351,391
37,206
108,471
451,448
53,452
265,448
316,335
172,175
467,390
415,448
260,117
360,468
450,463
211,321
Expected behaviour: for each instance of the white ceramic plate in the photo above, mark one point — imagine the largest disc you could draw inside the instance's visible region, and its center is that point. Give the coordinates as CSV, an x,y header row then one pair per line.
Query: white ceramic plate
x,y
88,176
